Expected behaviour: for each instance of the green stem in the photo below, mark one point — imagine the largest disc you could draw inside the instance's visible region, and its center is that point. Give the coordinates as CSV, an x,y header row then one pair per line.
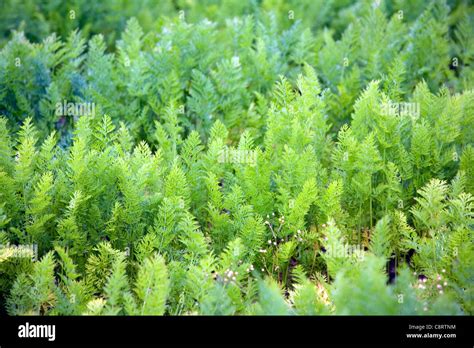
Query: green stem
x,y
370,201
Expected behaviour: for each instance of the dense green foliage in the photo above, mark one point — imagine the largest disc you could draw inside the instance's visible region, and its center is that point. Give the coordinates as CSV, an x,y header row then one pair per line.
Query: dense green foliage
x,y
239,159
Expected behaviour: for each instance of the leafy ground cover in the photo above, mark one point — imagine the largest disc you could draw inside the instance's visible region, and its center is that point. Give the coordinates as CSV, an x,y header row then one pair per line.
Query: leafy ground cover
x,y
243,157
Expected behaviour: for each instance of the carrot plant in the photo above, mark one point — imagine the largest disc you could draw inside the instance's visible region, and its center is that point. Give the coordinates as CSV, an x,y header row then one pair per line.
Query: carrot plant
x,y
237,158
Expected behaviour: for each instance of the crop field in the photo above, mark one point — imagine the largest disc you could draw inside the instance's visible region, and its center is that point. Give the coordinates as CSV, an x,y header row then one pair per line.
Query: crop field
x,y
241,157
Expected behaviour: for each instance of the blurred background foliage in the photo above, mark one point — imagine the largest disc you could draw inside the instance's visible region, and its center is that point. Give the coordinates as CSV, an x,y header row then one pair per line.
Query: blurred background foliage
x,y
299,84
180,52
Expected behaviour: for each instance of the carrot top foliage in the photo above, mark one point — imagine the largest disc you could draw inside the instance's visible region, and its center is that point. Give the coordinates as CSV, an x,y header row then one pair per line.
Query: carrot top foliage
x,y
282,157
